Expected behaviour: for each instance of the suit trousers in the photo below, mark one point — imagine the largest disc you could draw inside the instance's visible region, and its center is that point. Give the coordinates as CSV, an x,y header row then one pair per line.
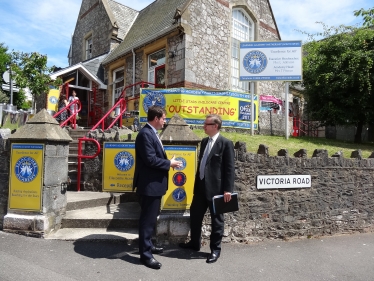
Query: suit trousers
x,y
150,209
199,206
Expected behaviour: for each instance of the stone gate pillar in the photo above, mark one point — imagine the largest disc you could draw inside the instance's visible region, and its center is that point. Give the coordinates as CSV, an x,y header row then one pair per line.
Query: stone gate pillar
x,y
43,133
174,225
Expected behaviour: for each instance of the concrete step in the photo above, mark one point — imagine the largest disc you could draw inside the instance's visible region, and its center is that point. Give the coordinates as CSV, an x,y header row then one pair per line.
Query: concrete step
x,y
129,235
123,215
89,199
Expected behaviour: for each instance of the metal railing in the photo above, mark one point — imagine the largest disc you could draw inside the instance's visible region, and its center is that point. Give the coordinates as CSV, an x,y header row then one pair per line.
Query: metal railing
x,y
73,117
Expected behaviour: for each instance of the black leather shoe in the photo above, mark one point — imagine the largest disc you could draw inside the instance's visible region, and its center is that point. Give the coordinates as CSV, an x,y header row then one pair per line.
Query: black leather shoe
x,y
156,250
189,245
213,256
151,263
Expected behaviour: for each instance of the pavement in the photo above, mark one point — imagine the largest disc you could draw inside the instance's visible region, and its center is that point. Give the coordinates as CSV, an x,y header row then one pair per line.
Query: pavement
x,y
345,257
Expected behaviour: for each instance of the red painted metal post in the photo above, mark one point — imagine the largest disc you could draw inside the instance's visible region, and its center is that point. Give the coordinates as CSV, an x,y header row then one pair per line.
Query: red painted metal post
x,y
80,156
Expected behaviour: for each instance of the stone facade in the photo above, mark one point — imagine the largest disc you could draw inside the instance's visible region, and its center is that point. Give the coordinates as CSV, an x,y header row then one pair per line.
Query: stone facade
x,y
94,20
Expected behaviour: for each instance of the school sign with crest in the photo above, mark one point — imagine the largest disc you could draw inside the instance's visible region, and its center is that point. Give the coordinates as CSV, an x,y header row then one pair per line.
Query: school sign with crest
x,y
269,61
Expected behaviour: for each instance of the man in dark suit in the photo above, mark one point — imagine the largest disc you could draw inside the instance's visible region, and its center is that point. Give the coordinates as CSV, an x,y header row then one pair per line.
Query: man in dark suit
x,y
151,181
215,176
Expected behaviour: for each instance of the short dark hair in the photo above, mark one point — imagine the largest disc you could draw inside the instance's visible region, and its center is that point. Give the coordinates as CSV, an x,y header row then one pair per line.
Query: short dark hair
x,y
216,119
155,111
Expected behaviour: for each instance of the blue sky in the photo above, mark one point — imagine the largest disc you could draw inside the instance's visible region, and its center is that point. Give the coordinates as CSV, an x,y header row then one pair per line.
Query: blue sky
x,y
46,26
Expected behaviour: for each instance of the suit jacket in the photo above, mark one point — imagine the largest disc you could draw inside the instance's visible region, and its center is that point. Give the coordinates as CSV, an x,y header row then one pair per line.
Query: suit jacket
x,y
219,169
151,164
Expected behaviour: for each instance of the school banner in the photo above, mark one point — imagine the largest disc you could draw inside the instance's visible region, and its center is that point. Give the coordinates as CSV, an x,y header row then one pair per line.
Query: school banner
x,y
26,177
118,166
181,180
194,104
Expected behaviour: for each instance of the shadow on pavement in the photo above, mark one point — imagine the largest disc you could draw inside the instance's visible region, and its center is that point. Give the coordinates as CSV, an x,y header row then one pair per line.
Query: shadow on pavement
x,y
111,247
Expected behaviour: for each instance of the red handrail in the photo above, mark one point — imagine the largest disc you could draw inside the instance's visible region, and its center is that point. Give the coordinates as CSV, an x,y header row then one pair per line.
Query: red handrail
x,y
72,117
80,156
120,101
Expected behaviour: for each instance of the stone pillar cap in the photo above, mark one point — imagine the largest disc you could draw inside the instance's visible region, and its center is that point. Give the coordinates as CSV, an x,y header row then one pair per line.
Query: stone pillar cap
x,y
41,127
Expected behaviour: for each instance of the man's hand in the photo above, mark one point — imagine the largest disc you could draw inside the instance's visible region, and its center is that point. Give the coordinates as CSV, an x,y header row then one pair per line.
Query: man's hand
x,y
174,163
226,196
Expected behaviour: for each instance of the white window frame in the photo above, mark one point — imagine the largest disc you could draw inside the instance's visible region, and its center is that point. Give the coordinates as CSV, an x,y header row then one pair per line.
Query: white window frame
x,y
243,30
116,91
88,47
151,69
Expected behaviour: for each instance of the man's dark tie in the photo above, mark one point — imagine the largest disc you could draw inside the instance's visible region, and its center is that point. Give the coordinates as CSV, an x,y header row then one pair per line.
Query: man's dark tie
x,y
205,157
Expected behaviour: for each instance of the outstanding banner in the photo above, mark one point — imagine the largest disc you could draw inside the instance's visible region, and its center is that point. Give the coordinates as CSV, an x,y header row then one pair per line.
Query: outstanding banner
x,y
26,177
194,104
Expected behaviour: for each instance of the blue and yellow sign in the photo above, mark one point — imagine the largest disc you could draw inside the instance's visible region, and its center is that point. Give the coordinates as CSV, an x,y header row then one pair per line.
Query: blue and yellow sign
x,y
118,166
194,104
181,180
52,102
26,177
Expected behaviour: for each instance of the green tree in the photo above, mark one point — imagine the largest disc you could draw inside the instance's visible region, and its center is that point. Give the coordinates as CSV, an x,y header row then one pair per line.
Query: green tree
x,y
368,16
32,72
4,58
338,74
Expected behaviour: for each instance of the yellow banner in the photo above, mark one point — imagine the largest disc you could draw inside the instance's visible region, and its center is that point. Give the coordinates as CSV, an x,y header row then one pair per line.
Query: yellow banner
x,y
181,181
26,177
118,166
194,104
52,102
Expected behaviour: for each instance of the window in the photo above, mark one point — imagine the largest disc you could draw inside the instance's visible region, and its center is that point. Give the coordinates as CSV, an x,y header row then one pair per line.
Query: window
x,y
88,48
118,82
242,31
155,63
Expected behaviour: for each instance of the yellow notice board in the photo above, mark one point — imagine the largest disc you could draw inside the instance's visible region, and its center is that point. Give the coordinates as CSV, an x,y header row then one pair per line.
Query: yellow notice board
x,y
26,177
181,180
118,166
52,103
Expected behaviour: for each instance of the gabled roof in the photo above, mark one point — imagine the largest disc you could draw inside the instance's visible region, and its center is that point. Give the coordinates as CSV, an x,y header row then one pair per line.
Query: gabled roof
x,y
92,69
154,21
123,22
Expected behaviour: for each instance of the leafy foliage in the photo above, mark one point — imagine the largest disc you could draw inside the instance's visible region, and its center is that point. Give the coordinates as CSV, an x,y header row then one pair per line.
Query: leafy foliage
x,y
32,72
368,16
338,74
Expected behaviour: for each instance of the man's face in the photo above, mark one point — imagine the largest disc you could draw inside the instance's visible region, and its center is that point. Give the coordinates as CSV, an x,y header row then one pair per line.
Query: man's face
x,y
159,122
210,127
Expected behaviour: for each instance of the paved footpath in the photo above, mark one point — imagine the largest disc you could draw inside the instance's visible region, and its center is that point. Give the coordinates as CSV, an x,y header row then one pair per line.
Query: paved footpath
x,y
346,257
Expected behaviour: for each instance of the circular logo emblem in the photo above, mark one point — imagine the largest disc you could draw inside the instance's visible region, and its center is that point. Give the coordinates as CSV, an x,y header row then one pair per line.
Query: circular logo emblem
x,y
154,98
179,194
179,179
26,169
255,62
124,161
53,100
184,163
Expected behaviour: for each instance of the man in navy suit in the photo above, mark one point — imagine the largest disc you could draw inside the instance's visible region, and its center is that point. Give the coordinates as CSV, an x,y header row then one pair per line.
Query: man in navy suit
x,y
215,176
151,181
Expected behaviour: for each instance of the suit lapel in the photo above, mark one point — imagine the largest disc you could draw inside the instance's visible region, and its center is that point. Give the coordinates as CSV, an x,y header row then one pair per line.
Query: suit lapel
x,y
215,149
157,140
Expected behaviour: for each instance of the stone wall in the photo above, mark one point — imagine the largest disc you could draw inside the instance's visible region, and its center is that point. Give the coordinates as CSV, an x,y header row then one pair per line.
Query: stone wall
x,y
340,200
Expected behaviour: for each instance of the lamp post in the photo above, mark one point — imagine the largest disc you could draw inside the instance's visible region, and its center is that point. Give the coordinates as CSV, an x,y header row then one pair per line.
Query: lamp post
x,y
10,85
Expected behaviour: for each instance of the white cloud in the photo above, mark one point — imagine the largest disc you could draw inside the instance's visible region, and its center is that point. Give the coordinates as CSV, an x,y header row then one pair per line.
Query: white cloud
x,y
303,15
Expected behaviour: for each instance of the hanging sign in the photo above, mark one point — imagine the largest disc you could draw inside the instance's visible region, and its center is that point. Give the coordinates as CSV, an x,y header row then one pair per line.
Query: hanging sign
x,y
26,177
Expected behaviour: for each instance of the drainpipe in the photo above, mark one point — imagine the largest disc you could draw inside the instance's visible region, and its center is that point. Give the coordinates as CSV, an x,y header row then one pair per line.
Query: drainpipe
x,y
133,72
